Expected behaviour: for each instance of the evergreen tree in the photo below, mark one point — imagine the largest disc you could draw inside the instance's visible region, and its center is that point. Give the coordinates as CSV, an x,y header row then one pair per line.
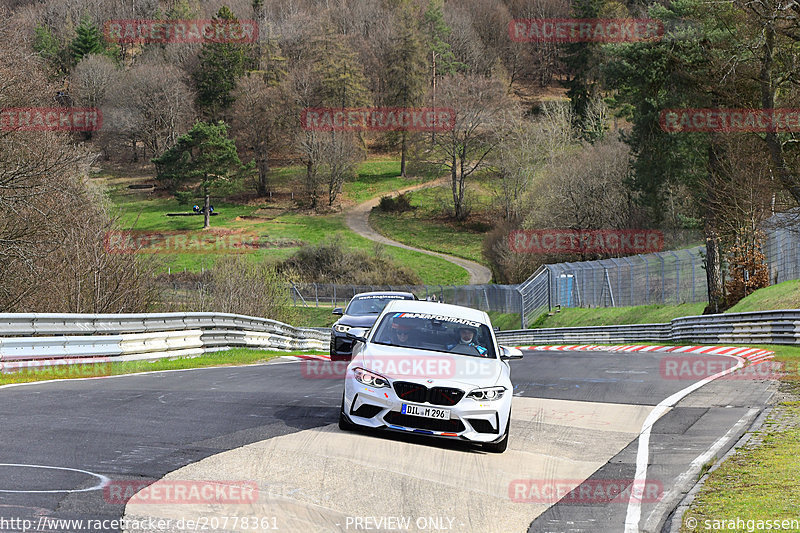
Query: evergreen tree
x,y
205,160
87,40
583,60
681,71
442,59
341,79
50,49
406,71
221,65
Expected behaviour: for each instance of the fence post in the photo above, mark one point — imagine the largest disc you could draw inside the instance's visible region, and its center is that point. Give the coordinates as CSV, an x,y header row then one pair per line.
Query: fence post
x,y
316,296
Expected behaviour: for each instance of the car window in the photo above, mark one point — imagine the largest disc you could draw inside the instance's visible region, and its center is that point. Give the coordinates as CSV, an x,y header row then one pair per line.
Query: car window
x,y
436,333
369,305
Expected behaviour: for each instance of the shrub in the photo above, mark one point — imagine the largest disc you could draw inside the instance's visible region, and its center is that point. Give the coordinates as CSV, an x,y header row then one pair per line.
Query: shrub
x,y
397,204
333,263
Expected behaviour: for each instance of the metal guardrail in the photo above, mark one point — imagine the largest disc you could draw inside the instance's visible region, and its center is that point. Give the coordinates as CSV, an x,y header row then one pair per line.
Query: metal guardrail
x,y
758,327
48,338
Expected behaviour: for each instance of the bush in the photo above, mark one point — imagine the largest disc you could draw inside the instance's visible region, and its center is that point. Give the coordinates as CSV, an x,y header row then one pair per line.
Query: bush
x,y
333,263
397,204
242,286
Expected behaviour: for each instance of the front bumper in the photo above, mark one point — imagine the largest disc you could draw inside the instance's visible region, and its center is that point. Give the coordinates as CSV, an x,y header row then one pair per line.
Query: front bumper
x,y
341,348
470,419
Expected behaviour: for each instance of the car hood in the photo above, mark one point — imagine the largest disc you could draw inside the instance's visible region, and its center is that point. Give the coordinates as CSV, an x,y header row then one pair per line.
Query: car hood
x,y
358,321
421,366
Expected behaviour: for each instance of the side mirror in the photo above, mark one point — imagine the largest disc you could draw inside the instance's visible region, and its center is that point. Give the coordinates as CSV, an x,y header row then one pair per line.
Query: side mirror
x,y
507,353
357,334
338,311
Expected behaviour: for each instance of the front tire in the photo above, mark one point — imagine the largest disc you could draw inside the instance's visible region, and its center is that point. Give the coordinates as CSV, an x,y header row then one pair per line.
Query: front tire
x,y
499,447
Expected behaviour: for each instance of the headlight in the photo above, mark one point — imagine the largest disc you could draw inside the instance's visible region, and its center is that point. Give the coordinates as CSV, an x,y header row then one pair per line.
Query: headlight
x,y
370,378
341,328
487,394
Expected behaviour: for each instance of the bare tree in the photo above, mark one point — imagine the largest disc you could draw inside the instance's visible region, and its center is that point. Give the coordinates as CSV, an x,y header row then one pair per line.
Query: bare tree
x,y
585,191
524,148
262,121
341,153
479,103
151,103
91,78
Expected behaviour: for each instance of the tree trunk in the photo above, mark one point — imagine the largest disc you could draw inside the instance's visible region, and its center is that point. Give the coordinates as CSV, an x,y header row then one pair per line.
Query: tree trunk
x,y
713,259
206,212
403,149
311,181
262,162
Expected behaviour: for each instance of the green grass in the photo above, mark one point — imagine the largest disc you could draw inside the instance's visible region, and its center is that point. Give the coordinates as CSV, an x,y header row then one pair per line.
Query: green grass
x,y
784,295
641,314
426,228
376,178
315,317
504,321
285,229
756,483
235,356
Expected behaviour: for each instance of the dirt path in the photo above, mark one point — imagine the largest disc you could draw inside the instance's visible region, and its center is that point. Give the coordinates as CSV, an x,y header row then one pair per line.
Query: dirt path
x,y
358,220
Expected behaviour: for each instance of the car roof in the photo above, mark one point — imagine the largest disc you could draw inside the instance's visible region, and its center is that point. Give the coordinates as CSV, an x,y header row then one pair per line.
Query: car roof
x,y
383,293
437,308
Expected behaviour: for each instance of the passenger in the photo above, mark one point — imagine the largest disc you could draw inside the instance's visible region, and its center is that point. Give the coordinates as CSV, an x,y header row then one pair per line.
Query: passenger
x,y
466,337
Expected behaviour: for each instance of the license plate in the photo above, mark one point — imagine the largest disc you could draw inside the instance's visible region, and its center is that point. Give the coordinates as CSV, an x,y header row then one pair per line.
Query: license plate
x,y
427,412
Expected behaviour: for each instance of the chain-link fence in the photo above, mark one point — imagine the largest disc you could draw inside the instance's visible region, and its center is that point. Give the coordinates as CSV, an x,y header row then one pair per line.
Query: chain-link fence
x,y
501,298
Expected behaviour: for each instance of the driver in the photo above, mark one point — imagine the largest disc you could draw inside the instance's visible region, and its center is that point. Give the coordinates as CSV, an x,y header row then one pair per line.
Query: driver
x,y
401,333
466,336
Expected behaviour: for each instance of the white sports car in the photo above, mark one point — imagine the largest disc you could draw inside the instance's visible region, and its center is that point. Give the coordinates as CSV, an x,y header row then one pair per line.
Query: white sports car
x,y
433,369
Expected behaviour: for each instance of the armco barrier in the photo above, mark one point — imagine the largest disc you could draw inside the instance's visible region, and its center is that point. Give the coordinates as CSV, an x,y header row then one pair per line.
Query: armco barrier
x,y
758,327
68,338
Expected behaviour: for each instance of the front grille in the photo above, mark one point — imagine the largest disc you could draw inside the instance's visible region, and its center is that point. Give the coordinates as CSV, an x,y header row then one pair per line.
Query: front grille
x,y
453,425
414,392
444,396
367,411
411,392
481,426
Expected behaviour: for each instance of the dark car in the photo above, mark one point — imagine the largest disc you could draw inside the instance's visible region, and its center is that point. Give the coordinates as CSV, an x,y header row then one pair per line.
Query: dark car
x,y
361,312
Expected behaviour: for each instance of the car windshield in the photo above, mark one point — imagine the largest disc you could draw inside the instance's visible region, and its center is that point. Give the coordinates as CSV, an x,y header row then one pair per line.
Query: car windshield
x,y
369,305
435,333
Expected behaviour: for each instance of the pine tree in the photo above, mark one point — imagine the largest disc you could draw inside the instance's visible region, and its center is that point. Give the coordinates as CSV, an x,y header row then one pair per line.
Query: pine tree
x,y
442,59
406,76
221,65
583,60
87,40
341,79
204,159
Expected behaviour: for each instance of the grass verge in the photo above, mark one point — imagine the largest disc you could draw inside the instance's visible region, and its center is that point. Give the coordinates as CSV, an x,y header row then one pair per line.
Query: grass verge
x,y
425,228
606,316
235,356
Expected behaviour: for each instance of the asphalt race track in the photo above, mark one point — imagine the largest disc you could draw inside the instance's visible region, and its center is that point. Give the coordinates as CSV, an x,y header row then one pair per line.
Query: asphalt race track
x,y
574,439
